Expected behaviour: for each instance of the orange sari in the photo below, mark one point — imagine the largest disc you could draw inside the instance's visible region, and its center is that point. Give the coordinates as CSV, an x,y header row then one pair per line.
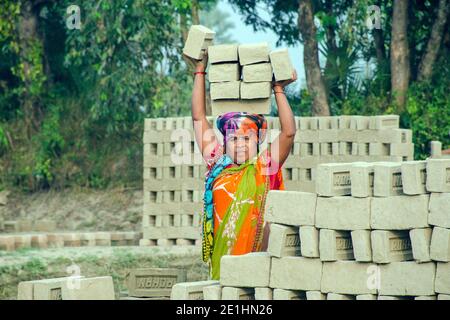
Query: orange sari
x,y
239,194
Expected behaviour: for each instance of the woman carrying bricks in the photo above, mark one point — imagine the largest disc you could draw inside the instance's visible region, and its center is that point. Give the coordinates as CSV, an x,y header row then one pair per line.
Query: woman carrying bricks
x,y
239,174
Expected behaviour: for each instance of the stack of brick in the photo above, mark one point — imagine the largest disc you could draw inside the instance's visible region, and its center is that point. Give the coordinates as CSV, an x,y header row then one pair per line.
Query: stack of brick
x,y
14,241
174,169
371,231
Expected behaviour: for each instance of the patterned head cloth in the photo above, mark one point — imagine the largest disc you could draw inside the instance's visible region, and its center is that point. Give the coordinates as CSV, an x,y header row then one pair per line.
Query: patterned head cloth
x,y
242,122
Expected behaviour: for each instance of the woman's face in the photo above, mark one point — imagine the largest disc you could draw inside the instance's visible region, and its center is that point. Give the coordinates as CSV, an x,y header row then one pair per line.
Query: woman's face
x,y
242,146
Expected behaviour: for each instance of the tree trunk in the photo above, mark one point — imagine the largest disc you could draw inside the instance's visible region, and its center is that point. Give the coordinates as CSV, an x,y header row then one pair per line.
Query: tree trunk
x,y
314,79
400,68
434,42
194,12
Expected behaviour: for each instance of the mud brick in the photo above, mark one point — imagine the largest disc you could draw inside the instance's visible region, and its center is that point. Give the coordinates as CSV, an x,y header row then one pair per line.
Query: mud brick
x,y
225,90
359,123
362,179
25,225
394,298
291,208
336,296
335,245
387,179
414,176
11,226
257,106
45,225
425,298
366,297
97,288
281,64
309,241
282,294
438,175
333,179
362,247
440,244
355,148
39,241
46,289
232,293
213,292
435,149
347,277
326,149
343,213
284,273
224,72
118,239
198,39
443,297
132,238
223,53
264,293
402,149
390,246
154,282
260,72
23,241
395,278
442,282
345,148
172,172
315,295
256,90
384,122
88,239
394,136
165,242
7,243
72,239
184,242
253,53
147,243
240,270
283,241
363,149
439,210
399,212
379,149
420,241
102,239
344,122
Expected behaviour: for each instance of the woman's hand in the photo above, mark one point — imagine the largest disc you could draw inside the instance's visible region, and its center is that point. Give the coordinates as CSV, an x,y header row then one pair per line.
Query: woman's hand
x,y
197,65
284,83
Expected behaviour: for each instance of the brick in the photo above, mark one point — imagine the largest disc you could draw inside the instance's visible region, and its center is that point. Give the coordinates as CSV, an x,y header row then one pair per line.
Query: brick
x,y
223,53
333,179
439,210
309,241
281,64
359,123
147,243
282,294
118,239
45,225
72,239
88,239
97,288
442,282
257,106
23,241
39,241
440,244
443,297
247,270
224,72
387,179
264,293
253,53
190,290
256,90
7,243
395,278
153,282
394,298
414,176
362,179
291,208
259,72
315,295
336,296
285,273
46,289
344,122
362,246
347,277
399,212
366,297
438,175
335,245
384,122
425,298
420,242
379,149
25,225
102,239
390,246
213,292
283,241
11,226
435,149
198,37
231,293
343,213
225,90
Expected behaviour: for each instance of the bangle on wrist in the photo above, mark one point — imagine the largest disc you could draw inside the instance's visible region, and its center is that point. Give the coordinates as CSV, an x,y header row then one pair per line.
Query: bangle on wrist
x,y
199,72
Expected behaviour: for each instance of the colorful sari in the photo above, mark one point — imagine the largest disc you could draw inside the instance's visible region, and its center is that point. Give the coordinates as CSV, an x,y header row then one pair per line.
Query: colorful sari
x,y
233,220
